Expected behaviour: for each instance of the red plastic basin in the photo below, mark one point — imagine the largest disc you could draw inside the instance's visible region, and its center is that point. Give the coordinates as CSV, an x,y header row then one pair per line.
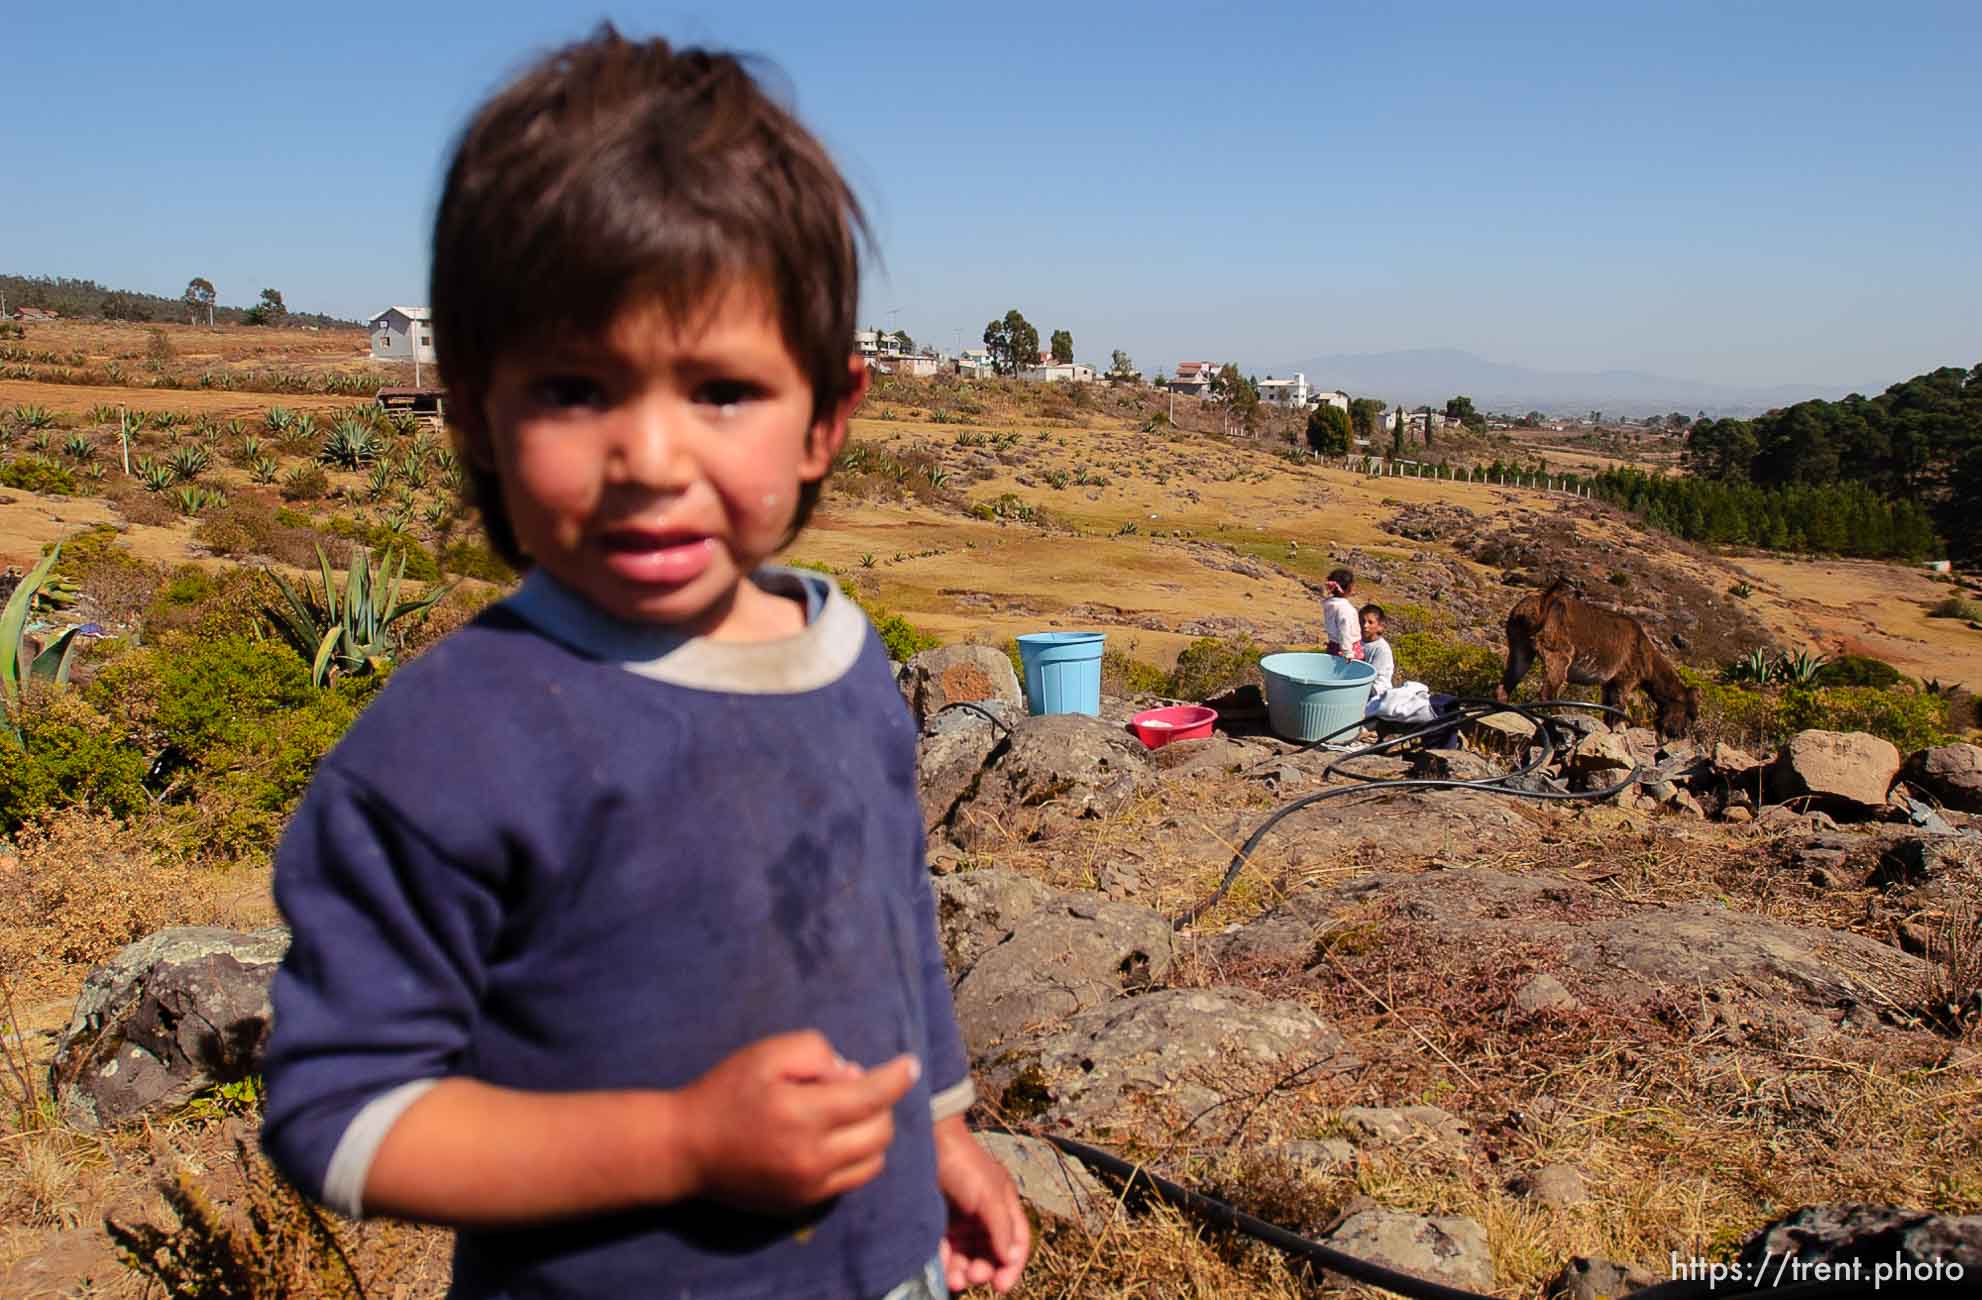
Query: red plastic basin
x,y
1158,727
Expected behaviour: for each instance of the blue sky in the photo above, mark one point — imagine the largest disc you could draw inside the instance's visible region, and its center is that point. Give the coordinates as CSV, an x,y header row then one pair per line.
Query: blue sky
x,y
1739,193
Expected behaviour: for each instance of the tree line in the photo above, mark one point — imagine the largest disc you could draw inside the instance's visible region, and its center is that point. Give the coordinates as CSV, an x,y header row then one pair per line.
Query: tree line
x,y
1839,518
1918,444
88,300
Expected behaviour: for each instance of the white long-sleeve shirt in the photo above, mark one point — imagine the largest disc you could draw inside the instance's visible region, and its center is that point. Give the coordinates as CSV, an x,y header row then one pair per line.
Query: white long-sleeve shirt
x,y
1377,655
1342,627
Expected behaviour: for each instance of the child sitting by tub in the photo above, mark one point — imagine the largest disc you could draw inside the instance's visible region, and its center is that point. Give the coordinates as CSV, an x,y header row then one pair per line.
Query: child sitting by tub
x,y
1376,651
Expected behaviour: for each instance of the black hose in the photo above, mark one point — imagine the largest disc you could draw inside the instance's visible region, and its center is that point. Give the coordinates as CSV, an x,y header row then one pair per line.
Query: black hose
x,y
1226,1215
1467,710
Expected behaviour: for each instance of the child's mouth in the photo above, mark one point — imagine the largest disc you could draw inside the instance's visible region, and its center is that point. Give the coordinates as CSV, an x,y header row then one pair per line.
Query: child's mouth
x,y
660,559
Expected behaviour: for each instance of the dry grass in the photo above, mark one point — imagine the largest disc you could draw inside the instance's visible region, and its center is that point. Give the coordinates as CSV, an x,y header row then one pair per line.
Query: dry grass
x,y
78,888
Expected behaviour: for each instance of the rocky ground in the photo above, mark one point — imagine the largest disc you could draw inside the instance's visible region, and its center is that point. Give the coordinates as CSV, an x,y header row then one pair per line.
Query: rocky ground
x,y
1498,1042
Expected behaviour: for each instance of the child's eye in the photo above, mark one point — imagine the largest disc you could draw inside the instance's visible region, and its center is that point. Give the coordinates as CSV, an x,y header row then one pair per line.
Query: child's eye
x,y
727,392
564,392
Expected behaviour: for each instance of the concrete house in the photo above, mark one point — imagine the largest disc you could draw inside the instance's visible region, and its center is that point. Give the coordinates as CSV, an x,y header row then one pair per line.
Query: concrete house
x,y
403,334
1049,371
1286,392
1193,378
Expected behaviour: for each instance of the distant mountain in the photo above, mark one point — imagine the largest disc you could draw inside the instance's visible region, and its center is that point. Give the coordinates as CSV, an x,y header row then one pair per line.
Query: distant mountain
x,y
1427,376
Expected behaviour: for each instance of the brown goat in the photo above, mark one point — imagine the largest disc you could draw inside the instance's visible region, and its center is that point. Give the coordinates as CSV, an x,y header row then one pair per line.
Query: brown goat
x,y
1591,646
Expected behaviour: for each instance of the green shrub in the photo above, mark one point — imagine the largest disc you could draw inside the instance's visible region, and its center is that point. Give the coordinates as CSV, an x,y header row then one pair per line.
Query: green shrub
x,y
387,543
1956,607
237,728
225,602
1908,719
471,557
74,755
1446,664
1124,674
1212,665
33,474
1858,670
1762,719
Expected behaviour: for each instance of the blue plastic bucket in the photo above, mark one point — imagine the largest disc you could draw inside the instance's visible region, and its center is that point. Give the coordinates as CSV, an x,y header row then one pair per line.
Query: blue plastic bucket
x,y
1062,672
1309,696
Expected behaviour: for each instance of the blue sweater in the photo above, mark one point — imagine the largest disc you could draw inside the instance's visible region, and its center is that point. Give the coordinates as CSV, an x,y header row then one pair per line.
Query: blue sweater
x,y
560,854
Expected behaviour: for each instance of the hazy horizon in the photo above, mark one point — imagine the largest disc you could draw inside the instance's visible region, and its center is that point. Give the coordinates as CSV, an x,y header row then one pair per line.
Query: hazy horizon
x,y
1761,198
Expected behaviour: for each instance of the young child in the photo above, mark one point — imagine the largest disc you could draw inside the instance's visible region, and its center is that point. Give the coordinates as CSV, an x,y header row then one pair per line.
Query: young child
x,y
1376,650
1338,616
614,945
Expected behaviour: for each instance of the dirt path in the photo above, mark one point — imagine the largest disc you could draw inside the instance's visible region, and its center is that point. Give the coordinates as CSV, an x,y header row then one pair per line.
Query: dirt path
x,y
66,399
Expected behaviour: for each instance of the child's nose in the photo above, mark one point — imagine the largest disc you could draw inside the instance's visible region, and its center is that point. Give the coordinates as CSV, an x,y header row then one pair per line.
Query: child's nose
x,y
651,445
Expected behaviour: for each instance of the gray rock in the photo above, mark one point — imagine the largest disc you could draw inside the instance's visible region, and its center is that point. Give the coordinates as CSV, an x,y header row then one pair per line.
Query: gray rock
x,y
1732,763
1050,1181
1051,771
952,751
1317,1157
1875,1234
1917,859
1385,1125
977,910
1844,772
1597,1279
1556,1185
1543,993
171,1015
1454,765
1187,1048
1603,755
1073,955
1950,773
954,674
1446,1248
1506,731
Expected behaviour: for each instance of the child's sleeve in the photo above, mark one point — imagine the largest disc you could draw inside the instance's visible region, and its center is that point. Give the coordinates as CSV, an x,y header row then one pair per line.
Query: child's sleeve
x,y
375,1000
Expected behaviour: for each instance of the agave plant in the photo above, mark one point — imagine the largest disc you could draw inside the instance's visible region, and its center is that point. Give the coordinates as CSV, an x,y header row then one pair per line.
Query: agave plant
x,y
351,445
42,442
101,413
263,469
154,476
1757,667
278,420
413,471
79,448
165,421
31,418
1799,669
352,635
192,500
301,431
399,519
437,514
248,450
379,480
189,462
19,661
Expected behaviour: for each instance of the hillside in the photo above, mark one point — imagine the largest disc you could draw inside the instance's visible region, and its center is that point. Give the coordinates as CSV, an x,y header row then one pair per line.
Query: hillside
x,y
1709,1006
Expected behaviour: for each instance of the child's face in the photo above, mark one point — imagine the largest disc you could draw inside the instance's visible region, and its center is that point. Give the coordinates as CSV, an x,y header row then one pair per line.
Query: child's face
x,y
653,468
1372,627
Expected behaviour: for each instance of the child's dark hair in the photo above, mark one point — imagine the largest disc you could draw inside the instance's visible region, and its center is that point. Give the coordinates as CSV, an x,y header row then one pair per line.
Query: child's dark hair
x,y
1371,608
1343,578
619,171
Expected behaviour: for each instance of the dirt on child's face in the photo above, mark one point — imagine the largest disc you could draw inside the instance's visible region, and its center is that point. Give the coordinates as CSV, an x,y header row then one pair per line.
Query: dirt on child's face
x,y
652,469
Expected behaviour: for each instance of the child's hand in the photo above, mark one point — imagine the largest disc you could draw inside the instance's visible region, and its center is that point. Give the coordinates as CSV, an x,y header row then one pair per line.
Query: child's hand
x,y
785,1123
988,1239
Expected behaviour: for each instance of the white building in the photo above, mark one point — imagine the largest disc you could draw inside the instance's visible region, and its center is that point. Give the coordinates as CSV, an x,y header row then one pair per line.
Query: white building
x,y
878,343
1058,372
1193,378
1340,401
1286,392
403,334
975,363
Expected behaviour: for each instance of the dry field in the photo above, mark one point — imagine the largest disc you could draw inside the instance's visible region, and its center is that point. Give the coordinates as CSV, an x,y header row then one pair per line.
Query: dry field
x,y
1157,538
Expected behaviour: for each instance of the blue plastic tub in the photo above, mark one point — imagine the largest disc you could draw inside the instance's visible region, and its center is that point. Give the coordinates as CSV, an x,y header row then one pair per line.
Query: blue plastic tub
x,y
1062,672
1309,696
